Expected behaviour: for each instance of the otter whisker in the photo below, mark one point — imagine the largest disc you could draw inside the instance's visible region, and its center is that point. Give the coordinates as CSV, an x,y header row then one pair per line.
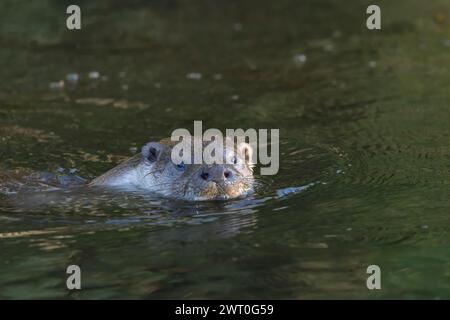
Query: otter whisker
x,y
153,172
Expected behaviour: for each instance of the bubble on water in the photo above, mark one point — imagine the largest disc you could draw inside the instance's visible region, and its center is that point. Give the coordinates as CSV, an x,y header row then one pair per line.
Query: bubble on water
x,y
237,26
235,97
446,43
133,150
372,64
300,58
194,76
72,77
217,76
424,226
122,74
104,78
328,47
125,87
157,85
317,245
57,85
337,34
94,75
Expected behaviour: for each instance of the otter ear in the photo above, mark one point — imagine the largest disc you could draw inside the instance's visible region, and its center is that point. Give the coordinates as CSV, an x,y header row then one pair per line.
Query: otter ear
x,y
151,152
245,150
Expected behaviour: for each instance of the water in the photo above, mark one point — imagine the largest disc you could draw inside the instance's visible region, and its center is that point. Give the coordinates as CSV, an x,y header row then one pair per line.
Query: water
x,y
364,126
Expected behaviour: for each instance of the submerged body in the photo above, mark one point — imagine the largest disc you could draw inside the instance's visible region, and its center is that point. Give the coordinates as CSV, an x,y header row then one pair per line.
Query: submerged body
x,y
153,170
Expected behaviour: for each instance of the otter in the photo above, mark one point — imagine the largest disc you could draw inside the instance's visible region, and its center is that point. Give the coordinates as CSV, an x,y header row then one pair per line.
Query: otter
x,y
153,170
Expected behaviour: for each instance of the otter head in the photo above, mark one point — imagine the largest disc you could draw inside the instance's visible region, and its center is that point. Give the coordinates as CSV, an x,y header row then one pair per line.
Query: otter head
x,y
231,178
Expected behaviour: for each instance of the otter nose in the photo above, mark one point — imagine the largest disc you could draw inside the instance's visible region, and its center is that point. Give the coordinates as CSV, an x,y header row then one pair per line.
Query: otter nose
x,y
217,174
227,174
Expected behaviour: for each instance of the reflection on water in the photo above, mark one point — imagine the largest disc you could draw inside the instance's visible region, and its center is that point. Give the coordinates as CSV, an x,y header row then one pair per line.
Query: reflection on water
x,y
363,121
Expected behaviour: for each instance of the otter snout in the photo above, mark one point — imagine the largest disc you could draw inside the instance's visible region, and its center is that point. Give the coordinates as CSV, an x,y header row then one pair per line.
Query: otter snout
x,y
218,174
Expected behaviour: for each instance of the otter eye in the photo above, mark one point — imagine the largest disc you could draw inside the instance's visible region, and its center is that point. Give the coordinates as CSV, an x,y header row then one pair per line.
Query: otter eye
x,y
181,166
234,160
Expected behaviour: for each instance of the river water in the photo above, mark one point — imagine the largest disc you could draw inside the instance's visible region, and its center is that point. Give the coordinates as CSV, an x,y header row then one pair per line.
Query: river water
x,y
364,142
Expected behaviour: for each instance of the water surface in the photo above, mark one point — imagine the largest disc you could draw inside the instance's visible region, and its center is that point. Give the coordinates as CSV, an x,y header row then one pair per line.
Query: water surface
x,y
364,127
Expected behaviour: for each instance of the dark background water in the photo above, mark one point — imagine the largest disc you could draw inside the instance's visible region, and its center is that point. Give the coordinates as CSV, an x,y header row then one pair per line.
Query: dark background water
x,y
364,125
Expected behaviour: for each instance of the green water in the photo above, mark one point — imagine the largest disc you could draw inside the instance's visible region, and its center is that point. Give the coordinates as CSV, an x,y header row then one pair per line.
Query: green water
x,y
364,126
